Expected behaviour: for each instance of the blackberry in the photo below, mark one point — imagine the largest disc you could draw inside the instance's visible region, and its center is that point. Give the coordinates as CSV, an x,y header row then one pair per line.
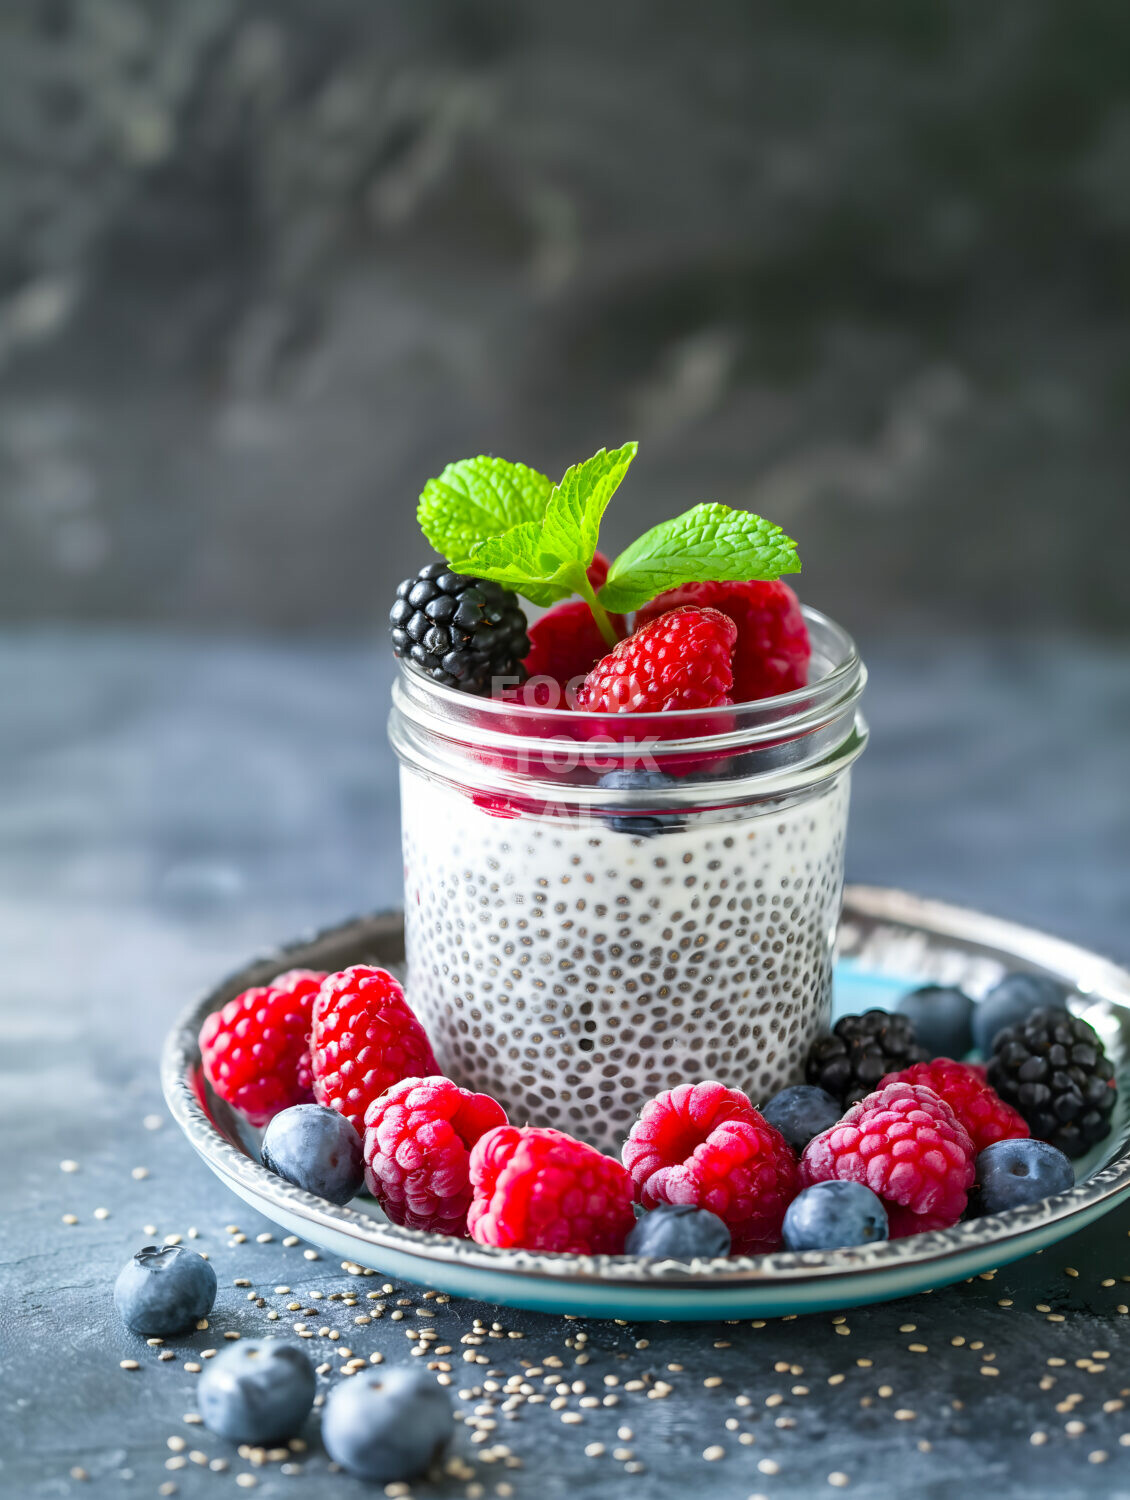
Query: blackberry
x,y
1053,1069
859,1052
459,631
1010,1002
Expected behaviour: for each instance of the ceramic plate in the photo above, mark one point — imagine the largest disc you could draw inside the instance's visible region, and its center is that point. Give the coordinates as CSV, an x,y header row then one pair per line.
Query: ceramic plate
x,y
889,942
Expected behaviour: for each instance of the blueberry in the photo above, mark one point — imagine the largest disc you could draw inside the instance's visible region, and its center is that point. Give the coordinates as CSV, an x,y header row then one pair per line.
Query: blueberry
x,y
942,1017
679,1231
801,1112
834,1216
1013,1173
164,1291
256,1391
642,824
317,1149
1012,1001
387,1424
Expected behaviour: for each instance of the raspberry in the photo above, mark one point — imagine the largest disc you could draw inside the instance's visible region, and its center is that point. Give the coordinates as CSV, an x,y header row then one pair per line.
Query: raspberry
x,y
418,1139
256,1051
772,651
364,1038
705,1144
542,1190
680,660
979,1108
565,643
902,1222
905,1144
597,571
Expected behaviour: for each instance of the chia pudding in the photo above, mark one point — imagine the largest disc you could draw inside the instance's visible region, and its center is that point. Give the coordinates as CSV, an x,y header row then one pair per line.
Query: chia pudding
x,y
572,967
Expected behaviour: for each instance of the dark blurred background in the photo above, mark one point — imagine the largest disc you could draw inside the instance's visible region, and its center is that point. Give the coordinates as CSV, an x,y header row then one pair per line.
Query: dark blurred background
x,y
265,268
860,265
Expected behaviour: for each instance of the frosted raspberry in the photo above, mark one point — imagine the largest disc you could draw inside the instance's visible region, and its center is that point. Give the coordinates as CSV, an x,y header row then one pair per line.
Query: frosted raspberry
x,y
902,1222
542,1190
905,1144
772,650
256,1051
418,1139
680,660
364,1039
978,1107
705,1144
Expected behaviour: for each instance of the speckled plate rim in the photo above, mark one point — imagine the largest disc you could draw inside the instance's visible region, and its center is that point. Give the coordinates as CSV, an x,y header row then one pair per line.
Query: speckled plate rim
x,y
623,1286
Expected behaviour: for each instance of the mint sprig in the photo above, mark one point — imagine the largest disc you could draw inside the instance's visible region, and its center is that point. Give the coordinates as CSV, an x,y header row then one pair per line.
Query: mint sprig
x,y
477,498
509,523
707,542
520,560
578,502
547,558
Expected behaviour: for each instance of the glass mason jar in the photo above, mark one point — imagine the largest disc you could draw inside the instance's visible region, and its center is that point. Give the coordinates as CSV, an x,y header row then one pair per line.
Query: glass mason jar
x,y
579,938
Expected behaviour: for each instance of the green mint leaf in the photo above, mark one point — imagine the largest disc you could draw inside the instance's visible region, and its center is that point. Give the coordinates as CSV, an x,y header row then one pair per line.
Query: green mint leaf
x,y
519,560
571,527
478,498
544,557
706,542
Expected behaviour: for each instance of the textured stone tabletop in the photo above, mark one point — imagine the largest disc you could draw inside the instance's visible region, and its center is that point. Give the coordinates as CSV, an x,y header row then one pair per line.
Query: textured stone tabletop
x,y
169,807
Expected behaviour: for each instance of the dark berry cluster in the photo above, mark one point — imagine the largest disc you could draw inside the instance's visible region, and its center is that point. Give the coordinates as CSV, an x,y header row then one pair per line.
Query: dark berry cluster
x,y
859,1052
459,631
1053,1070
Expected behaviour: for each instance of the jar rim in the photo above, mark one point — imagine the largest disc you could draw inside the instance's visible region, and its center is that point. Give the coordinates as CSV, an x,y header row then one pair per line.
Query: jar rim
x,y
535,756
845,673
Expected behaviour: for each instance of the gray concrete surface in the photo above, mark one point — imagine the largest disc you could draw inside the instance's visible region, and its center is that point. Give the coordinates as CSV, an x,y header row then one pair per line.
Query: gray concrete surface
x,y
169,806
